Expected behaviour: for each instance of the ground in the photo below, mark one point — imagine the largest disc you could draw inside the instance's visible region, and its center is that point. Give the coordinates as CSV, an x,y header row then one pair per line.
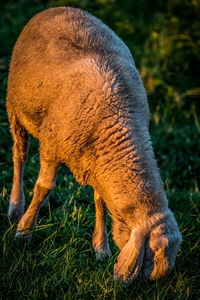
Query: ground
x,y
60,262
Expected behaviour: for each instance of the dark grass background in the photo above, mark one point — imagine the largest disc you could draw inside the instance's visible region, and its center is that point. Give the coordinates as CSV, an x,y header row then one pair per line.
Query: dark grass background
x,y
164,38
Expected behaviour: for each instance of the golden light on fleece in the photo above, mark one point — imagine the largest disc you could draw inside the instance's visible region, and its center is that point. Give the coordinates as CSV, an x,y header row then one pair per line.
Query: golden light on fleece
x,y
74,86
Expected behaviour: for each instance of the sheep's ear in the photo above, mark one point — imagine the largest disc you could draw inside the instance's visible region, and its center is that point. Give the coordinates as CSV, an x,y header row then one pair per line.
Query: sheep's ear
x,y
130,258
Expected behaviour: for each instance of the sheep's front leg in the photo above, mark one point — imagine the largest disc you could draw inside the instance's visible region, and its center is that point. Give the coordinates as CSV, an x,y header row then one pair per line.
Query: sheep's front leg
x,y
43,186
100,237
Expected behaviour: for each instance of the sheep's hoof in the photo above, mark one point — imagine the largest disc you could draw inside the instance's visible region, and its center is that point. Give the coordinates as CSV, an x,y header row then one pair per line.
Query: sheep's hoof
x,y
26,235
103,254
122,282
15,212
117,275
118,279
124,279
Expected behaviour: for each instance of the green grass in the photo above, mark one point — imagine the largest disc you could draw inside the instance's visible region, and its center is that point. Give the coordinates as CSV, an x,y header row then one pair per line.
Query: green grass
x,y
60,263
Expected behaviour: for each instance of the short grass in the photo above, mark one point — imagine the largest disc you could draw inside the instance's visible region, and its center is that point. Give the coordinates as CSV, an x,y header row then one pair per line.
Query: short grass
x,y
60,263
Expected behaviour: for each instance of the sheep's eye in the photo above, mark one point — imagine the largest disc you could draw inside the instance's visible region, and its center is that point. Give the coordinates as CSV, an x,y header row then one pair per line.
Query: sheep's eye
x,y
153,250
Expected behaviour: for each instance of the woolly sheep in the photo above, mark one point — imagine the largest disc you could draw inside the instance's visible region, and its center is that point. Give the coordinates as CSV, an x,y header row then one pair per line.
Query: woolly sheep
x,y
74,86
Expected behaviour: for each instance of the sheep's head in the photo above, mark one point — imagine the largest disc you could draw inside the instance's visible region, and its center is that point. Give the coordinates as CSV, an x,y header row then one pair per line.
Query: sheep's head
x,y
160,250
151,255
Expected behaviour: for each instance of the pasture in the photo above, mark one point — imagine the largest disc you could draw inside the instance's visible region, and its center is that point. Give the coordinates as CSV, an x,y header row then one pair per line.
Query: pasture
x,y
60,263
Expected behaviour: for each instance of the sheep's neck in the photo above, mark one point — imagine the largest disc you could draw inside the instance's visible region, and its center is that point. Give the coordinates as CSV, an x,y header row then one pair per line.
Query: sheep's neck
x,y
127,175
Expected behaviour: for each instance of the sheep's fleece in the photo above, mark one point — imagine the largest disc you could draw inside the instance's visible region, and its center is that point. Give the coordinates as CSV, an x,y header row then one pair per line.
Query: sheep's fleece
x,y
74,86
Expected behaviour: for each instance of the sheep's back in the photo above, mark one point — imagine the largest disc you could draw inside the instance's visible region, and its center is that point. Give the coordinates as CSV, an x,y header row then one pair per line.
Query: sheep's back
x,y
46,59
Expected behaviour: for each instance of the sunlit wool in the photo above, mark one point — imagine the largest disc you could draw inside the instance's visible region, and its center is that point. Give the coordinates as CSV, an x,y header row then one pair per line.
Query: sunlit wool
x,y
74,86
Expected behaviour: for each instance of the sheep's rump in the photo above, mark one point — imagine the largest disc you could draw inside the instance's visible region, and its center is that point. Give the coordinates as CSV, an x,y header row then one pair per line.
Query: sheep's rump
x,y
58,51
69,34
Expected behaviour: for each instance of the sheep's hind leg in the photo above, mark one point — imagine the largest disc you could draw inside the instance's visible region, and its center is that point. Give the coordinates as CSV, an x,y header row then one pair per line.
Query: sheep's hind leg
x,y
100,237
43,186
20,152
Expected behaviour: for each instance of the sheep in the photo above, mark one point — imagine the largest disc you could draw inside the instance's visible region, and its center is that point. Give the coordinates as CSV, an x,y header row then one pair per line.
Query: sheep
x,y
74,86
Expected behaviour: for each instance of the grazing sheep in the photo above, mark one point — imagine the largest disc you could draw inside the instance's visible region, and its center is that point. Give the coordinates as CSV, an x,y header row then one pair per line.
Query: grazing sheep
x,y
74,86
